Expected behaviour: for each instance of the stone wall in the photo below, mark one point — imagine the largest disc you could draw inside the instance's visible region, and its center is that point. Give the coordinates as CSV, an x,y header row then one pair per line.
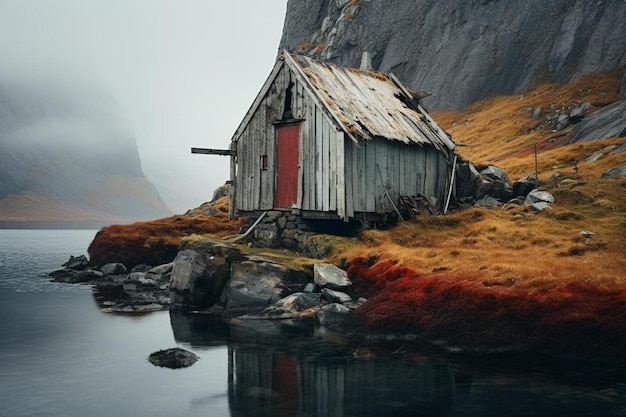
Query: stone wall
x,y
283,228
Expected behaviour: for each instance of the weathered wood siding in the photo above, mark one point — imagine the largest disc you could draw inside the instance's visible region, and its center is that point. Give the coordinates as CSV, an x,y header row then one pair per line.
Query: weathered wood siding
x,y
402,169
320,152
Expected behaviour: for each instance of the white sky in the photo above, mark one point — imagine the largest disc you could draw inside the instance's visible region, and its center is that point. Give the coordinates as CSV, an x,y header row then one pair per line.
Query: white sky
x,y
184,72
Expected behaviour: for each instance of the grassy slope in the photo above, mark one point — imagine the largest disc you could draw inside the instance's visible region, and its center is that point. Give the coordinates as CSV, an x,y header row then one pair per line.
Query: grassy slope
x,y
511,276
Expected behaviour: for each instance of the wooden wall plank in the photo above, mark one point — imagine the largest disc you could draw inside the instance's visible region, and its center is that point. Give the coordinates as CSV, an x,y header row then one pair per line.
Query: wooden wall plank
x,y
350,169
319,192
340,175
371,187
325,166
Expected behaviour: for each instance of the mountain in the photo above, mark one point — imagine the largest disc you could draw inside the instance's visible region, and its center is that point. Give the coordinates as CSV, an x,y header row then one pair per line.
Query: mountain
x,y
463,51
66,155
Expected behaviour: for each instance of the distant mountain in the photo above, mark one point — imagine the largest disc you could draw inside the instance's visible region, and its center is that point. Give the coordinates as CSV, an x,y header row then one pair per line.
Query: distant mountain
x,y
463,51
66,155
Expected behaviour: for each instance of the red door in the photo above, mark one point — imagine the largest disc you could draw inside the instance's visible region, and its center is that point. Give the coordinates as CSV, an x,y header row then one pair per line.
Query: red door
x,y
287,155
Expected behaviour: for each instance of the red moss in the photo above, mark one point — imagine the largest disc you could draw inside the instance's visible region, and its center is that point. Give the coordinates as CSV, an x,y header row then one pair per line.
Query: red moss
x,y
573,317
154,242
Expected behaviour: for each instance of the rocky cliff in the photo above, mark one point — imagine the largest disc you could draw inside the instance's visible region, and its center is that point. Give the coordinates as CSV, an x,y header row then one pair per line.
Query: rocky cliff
x,y
463,51
66,155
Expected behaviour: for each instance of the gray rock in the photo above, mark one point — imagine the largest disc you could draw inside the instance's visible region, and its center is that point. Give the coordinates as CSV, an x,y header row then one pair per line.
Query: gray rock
x,y
594,157
317,247
221,191
536,196
328,275
298,305
253,285
586,234
466,178
65,275
310,287
77,263
539,206
332,315
525,185
620,149
173,358
615,172
335,296
562,122
197,279
487,201
537,113
605,123
267,234
113,269
578,112
229,252
495,173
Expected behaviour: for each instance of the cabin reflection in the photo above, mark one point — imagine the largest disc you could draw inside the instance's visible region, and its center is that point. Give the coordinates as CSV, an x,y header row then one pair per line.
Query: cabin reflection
x,y
274,371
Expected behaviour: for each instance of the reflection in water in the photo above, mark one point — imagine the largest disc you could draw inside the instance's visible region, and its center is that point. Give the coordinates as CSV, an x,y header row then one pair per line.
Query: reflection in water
x,y
277,370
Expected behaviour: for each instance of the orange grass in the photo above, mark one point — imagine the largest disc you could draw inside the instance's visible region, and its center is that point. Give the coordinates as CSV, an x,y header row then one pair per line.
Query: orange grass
x,y
511,276
156,242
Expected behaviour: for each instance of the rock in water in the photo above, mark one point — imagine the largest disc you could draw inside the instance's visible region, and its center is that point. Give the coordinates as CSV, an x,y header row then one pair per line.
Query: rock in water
x,y
173,358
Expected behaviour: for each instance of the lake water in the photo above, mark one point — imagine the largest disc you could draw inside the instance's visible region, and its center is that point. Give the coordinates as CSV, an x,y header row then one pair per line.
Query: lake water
x,y
61,356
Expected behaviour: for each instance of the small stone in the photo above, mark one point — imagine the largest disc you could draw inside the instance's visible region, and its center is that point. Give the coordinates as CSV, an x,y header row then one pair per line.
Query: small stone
x,y
113,269
328,275
335,296
174,358
586,234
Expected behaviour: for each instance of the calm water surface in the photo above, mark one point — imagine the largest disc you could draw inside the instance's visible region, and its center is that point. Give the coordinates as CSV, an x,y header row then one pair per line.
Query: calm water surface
x,y
61,356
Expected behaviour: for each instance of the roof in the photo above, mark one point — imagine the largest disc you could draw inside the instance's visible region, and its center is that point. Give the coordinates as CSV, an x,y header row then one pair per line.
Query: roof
x,y
364,104
371,104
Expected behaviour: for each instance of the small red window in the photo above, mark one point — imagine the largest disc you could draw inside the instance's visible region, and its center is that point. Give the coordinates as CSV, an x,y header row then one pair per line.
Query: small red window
x,y
263,161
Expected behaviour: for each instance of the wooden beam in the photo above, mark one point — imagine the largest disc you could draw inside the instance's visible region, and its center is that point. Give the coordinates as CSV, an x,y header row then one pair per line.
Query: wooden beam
x,y
221,152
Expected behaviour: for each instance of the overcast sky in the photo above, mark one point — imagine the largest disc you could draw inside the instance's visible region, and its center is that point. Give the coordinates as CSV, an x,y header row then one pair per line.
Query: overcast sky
x,y
184,72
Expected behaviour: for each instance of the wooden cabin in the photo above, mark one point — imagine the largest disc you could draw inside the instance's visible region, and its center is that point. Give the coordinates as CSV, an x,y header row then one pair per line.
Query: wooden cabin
x,y
336,143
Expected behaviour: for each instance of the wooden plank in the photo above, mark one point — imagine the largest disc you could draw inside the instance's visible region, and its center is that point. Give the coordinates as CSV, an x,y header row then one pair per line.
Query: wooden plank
x,y
332,176
360,180
208,151
371,189
325,167
349,168
381,179
319,192
340,175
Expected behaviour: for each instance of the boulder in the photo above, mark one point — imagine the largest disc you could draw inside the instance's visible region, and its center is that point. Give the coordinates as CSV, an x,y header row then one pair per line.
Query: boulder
x,y
229,252
536,196
496,174
65,275
197,279
607,122
487,201
335,296
525,185
328,275
616,172
332,315
77,263
466,178
539,206
113,269
173,358
267,234
295,306
255,284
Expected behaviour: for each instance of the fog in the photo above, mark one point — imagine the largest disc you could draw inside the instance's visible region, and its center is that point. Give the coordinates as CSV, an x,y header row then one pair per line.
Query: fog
x,y
182,73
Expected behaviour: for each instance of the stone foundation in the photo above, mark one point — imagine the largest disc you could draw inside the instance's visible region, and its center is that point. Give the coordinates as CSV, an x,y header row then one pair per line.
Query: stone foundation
x,y
283,228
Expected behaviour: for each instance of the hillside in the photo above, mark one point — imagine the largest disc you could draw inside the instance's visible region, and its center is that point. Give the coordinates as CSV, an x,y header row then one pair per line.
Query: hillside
x,y
66,155
463,52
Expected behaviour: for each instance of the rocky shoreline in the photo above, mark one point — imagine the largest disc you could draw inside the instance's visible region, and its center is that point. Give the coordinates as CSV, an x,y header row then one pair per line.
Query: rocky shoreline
x,y
219,280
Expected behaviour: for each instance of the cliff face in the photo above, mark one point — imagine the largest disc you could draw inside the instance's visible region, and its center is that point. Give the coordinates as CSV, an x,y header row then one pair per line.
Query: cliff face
x,y
463,51
66,155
